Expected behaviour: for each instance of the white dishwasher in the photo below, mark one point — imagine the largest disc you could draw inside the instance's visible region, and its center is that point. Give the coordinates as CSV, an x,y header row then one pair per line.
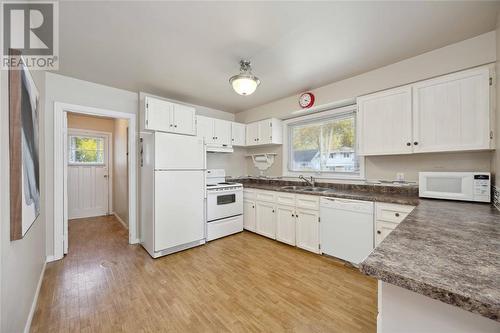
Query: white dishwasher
x,y
346,228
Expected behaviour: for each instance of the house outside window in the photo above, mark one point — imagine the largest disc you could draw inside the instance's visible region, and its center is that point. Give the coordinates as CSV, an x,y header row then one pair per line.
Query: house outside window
x,y
323,144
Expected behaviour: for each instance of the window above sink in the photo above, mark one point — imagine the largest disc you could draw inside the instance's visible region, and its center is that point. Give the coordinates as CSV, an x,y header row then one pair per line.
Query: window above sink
x,y
323,144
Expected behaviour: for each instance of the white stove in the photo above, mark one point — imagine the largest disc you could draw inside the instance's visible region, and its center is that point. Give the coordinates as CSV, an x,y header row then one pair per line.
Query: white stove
x,y
224,205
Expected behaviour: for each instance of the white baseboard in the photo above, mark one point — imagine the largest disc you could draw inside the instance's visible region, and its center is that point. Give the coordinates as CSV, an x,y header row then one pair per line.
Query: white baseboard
x,y
120,220
52,258
35,300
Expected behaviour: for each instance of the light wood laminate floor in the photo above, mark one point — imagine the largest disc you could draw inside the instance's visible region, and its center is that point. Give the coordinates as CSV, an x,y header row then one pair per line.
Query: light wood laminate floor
x,y
241,283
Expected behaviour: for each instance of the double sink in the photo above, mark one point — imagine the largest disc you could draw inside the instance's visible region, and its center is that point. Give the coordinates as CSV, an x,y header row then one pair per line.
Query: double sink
x,y
306,189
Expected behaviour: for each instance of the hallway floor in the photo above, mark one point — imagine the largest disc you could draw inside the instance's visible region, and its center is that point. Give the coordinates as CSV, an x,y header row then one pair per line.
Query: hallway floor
x,y
243,282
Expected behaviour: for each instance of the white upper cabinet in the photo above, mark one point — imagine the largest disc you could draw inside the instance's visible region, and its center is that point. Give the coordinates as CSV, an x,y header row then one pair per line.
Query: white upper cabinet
x,y
384,121
158,115
164,116
448,113
452,112
253,133
205,129
184,120
222,132
214,131
238,134
264,132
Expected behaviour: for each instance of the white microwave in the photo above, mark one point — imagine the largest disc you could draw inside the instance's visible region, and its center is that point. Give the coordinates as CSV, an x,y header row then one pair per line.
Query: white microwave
x,y
466,186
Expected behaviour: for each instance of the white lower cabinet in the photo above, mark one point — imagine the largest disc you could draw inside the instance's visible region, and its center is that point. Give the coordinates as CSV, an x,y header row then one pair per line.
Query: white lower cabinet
x,y
249,215
307,229
266,219
289,218
387,218
383,230
285,224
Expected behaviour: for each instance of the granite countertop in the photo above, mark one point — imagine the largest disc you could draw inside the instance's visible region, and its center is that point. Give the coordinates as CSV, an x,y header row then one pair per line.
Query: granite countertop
x,y
446,250
389,194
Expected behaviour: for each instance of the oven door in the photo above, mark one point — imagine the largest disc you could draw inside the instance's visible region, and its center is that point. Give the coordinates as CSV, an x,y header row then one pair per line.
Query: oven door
x,y
222,204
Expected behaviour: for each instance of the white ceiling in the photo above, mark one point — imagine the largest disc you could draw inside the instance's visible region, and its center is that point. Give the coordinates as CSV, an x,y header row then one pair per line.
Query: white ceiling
x,y
188,50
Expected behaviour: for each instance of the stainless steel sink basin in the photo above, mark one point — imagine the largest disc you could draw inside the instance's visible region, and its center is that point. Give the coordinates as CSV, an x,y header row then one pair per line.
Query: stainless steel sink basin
x,y
316,189
293,188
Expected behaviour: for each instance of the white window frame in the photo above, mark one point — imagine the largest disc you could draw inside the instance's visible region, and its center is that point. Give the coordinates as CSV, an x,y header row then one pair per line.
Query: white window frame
x,y
105,136
321,174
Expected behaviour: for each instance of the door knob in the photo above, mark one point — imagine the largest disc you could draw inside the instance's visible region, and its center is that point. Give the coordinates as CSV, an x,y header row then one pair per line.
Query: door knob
x,y
379,232
105,176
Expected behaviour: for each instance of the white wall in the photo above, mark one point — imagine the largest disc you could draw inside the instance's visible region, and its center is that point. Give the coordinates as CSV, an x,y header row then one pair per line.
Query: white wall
x,y
120,169
84,122
64,89
468,53
22,261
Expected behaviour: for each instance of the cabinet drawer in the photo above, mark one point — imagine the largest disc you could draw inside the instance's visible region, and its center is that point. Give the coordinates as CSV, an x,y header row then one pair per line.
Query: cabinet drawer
x,y
307,201
285,199
249,194
392,212
265,196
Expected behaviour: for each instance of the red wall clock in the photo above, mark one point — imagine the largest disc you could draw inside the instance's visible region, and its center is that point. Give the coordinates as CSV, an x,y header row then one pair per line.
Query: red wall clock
x,y
306,100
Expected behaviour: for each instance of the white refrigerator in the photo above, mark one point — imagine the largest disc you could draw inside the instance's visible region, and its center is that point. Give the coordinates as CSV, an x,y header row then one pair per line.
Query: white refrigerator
x,y
172,192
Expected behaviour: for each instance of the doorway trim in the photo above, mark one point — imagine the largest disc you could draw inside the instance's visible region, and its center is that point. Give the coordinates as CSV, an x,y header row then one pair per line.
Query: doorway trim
x,y
60,181
109,155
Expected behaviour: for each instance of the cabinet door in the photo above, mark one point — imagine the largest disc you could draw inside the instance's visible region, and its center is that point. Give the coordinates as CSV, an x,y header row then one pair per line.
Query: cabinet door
x,y
249,215
265,132
222,132
452,112
158,115
384,122
205,129
383,229
238,133
184,119
266,219
252,134
307,230
285,224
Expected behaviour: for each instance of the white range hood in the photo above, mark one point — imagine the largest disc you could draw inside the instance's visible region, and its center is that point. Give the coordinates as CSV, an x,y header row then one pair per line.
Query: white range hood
x,y
219,149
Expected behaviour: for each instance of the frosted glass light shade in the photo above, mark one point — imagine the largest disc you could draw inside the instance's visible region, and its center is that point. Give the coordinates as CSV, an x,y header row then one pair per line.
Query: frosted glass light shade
x,y
244,84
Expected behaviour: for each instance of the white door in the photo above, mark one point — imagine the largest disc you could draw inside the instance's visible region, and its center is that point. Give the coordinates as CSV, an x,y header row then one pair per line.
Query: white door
x,y
285,224
252,134
238,132
385,122
249,215
159,115
452,112
205,129
88,174
178,208
307,231
266,219
184,119
265,132
222,132
178,152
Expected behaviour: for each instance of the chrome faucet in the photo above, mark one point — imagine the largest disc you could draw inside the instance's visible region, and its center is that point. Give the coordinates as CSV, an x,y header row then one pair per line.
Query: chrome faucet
x,y
311,182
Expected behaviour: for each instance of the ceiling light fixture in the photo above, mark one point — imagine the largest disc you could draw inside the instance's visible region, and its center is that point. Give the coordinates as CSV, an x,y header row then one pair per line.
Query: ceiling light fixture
x,y
244,83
